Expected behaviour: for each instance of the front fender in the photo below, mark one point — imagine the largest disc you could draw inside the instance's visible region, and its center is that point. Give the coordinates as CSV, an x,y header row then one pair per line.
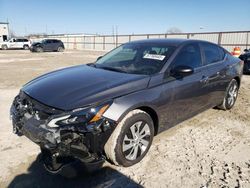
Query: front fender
x,y
123,105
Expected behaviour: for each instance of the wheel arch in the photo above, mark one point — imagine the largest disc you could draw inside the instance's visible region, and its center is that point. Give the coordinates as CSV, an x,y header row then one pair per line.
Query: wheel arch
x,y
154,116
237,78
149,110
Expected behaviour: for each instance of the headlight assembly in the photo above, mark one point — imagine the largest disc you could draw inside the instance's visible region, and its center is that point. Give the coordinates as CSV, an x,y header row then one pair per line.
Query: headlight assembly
x,y
80,116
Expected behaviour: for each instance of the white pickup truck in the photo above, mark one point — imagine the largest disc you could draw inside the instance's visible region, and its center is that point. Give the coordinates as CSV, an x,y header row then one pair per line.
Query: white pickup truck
x,y
15,43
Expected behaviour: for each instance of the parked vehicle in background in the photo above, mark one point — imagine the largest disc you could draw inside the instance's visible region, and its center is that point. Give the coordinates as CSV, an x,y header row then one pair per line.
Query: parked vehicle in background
x,y
246,58
47,45
112,109
247,50
16,43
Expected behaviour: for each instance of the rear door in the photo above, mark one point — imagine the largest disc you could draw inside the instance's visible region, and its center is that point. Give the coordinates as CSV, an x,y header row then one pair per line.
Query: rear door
x,y
19,43
55,45
216,67
188,93
48,45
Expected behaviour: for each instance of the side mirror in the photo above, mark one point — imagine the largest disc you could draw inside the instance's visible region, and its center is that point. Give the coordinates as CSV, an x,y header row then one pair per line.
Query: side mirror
x,y
98,58
182,71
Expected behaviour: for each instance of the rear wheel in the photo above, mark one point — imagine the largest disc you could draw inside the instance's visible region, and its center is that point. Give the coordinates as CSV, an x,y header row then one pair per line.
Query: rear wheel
x,y
230,95
25,47
131,139
60,49
4,47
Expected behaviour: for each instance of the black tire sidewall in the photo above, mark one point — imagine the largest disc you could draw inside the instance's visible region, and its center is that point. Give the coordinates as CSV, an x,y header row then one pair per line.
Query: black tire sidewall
x,y
25,47
4,47
232,83
60,49
39,49
120,158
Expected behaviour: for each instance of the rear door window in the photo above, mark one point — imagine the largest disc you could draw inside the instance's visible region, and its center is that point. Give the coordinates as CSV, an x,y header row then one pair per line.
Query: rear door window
x,y
19,40
212,53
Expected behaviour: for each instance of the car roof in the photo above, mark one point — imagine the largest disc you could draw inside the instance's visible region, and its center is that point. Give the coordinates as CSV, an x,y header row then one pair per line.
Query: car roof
x,y
53,39
171,42
19,38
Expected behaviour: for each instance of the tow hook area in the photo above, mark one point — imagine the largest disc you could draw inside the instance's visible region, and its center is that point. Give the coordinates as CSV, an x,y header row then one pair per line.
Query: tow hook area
x,y
67,166
62,145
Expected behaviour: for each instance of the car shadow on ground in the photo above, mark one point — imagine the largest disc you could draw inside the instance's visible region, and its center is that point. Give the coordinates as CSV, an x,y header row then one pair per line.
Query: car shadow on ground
x,y
37,176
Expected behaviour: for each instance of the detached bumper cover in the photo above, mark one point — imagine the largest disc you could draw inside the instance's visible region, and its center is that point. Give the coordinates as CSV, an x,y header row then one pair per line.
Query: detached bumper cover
x,y
30,118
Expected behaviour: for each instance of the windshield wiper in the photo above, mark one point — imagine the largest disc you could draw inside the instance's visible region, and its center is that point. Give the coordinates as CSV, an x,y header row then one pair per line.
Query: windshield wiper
x,y
112,69
91,64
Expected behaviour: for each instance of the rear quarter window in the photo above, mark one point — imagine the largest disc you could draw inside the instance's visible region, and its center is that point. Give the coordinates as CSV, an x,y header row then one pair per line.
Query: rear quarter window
x,y
212,53
222,53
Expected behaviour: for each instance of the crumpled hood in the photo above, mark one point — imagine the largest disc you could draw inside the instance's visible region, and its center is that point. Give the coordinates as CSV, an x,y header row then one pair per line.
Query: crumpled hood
x,y
78,86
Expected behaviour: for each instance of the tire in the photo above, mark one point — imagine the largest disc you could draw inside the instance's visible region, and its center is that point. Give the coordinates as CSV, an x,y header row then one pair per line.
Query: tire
x,y
39,49
230,95
4,47
124,148
25,47
60,49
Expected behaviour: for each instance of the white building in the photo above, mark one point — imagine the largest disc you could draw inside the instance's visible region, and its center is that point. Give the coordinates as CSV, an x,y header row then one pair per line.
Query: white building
x,y
4,31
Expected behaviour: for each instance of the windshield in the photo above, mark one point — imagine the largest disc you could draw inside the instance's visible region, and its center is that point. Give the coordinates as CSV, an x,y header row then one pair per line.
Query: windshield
x,y
44,41
136,58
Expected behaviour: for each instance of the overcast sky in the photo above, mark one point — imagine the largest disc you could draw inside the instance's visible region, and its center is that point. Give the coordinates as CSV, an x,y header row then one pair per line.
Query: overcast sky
x,y
129,16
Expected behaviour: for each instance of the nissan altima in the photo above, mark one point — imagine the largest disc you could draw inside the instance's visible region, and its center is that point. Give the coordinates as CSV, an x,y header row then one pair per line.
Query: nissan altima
x,y
111,109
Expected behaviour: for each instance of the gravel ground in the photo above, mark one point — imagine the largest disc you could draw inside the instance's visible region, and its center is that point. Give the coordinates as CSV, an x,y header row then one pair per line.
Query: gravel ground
x,y
209,150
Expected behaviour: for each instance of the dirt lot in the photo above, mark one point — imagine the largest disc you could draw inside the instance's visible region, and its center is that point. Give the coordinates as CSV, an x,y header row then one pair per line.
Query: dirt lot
x,y
209,150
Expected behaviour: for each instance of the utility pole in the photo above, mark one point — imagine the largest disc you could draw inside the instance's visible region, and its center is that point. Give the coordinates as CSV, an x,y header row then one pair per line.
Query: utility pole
x,y
116,38
113,34
116,30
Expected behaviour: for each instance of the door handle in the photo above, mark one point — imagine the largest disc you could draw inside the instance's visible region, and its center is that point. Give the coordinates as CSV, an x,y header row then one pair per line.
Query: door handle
x,y
204,79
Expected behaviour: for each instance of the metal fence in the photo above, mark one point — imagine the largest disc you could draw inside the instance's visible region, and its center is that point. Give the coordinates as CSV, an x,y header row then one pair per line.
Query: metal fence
x,y
107,42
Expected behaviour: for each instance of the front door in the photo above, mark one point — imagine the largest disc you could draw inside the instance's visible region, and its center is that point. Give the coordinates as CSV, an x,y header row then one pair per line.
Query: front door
x,y
186,95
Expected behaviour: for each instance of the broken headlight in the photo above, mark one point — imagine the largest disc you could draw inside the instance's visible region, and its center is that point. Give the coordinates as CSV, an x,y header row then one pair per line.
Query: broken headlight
x,y
80,116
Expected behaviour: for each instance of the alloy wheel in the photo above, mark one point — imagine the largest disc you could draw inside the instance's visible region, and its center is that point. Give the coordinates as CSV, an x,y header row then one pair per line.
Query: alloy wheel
x,y
136,140
232,94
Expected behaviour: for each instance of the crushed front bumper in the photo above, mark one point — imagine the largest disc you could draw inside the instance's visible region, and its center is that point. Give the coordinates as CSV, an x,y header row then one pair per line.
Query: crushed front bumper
x,y
60,145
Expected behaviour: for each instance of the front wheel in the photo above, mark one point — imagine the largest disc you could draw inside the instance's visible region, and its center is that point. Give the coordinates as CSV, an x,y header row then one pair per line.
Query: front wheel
x,y
4,47
131,139
230,95
39,49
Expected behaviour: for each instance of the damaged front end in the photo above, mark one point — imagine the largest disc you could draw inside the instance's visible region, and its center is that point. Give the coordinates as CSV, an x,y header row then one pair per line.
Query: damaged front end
x,y
64,136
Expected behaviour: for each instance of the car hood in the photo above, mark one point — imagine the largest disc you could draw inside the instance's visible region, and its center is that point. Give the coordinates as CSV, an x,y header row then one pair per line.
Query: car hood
x,y
36,43
78,86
